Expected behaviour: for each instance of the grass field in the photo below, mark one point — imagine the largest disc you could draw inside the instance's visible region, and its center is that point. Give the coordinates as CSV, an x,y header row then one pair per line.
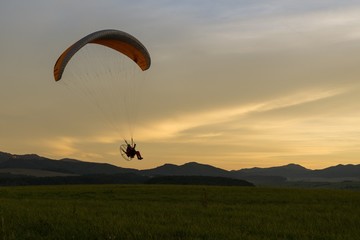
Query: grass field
x,y
177,212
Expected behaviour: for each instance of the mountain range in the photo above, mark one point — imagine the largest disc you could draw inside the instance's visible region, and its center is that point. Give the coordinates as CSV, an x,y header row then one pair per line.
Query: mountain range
x,y
34,165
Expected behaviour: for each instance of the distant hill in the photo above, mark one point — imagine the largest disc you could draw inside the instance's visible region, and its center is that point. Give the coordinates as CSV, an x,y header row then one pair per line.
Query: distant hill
x,y
287,171
339,171
188,169
67,166
199,180
294,172
125,178
34,165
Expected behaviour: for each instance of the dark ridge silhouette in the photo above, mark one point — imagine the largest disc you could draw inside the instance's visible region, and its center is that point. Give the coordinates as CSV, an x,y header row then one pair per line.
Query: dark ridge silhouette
x,y
287,171
339,171
265,180
188,169
71,166
198,180
34,165
20,180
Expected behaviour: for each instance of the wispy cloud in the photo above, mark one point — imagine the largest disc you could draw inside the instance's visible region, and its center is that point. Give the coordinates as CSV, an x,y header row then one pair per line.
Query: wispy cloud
x,y
64,146
169,128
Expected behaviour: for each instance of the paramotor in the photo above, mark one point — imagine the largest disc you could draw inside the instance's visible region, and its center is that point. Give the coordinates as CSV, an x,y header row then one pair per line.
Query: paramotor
x,y
110,81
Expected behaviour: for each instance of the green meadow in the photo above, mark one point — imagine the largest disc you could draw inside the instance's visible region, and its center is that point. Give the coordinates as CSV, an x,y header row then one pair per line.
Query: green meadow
x,y
177,212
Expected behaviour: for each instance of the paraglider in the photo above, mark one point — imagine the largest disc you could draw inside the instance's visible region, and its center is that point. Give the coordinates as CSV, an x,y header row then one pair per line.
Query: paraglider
x,y
124,44
129,152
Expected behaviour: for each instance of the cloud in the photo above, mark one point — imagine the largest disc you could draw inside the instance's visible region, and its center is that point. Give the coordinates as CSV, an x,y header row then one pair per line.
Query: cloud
x,y
173,127
61,146
170,128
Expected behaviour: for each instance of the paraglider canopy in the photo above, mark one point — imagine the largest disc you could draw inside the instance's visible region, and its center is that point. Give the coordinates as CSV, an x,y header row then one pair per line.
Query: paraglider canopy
x,y
115,39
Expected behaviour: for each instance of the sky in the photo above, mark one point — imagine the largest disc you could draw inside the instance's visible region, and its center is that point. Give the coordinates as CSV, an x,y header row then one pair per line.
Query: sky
x,y
234,84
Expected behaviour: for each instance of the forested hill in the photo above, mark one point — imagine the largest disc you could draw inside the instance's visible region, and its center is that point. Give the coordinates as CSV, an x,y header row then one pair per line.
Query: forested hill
x,y
37,166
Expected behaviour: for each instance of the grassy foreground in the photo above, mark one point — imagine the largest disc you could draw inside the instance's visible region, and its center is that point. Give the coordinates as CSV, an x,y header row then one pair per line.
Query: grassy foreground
x,y
177,212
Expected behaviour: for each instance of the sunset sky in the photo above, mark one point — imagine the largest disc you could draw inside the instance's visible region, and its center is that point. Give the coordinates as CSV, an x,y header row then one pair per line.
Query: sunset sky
x,y
234,84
